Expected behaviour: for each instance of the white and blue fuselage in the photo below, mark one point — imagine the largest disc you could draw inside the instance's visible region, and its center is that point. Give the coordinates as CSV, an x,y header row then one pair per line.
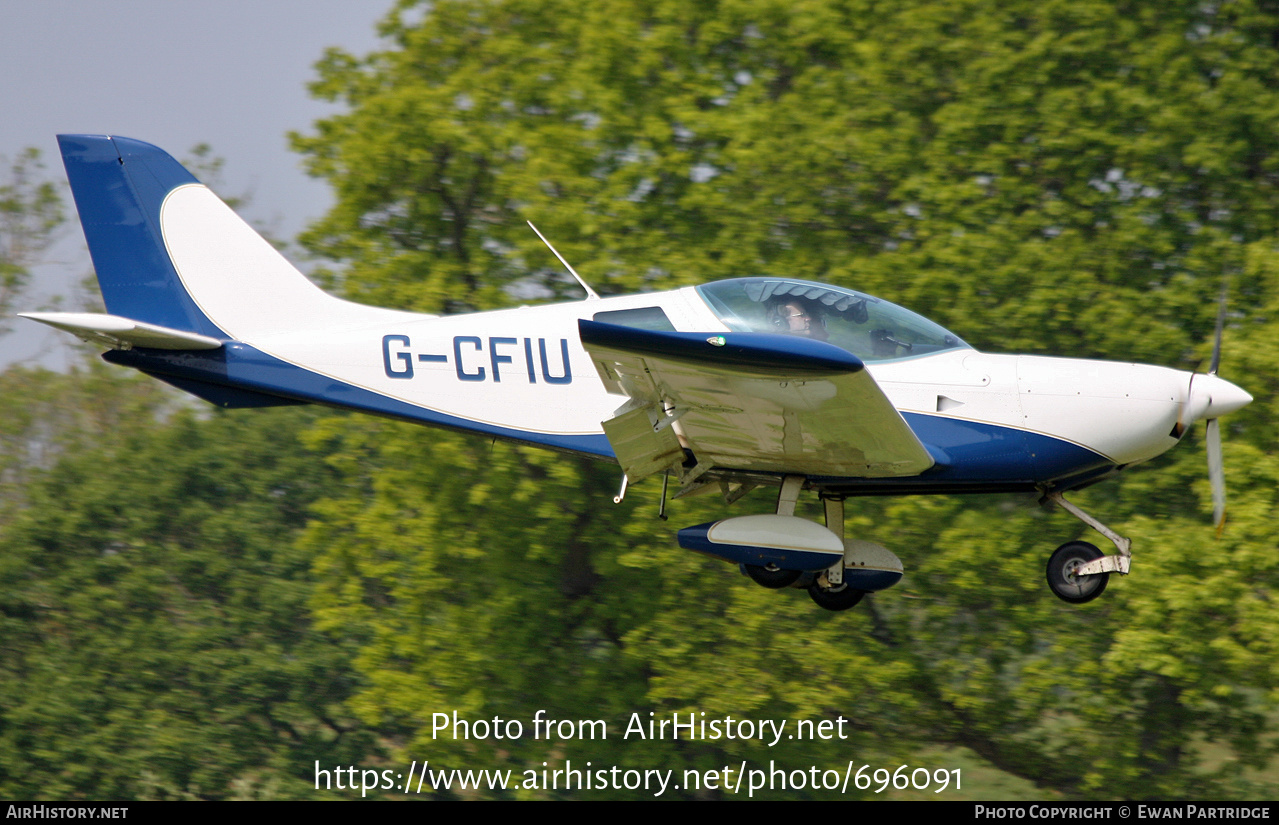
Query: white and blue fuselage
x,y
751,380
990,422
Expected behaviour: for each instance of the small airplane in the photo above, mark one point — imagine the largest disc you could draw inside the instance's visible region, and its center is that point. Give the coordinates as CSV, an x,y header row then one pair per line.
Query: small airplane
x,y
729,386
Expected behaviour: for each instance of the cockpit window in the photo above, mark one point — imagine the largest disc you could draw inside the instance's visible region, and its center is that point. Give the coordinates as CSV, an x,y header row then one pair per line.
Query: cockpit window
x,y
642,317
871,329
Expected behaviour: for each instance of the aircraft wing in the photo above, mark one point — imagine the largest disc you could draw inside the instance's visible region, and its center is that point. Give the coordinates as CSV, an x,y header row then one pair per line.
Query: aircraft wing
x,y
748,401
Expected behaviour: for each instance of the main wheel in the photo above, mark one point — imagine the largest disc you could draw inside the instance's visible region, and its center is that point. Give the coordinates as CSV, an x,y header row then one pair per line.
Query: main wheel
x,y
838,598
771,576
1062,578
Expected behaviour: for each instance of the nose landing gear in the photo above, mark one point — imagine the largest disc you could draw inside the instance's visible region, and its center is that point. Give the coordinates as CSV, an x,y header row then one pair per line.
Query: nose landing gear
x,y
1078,571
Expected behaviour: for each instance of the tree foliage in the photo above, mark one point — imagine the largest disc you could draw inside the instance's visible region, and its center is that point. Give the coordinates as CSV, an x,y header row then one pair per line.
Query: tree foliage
x,y
1060,177
1054,176
206,605
30,212
155,640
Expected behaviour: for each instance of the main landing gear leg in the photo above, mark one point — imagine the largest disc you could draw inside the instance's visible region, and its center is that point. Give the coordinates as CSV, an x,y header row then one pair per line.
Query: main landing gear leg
x,y
829,589
1078,571
789,495
834,574
772,576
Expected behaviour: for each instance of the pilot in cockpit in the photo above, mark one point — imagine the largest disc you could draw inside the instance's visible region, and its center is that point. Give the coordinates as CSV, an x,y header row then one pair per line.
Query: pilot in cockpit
x,y
792,316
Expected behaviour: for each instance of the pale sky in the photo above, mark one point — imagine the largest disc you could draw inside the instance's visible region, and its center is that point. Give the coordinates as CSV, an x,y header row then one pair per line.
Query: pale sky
x,y
175,73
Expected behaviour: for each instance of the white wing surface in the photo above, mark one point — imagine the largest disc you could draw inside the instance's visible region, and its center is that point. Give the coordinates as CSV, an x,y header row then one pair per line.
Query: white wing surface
x,y
749,402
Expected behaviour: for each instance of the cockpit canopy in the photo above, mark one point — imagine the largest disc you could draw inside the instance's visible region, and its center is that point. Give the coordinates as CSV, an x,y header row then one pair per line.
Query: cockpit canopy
x,y
870,328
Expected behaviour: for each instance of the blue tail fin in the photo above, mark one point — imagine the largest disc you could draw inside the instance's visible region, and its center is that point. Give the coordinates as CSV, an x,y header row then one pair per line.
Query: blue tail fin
x,y
119,186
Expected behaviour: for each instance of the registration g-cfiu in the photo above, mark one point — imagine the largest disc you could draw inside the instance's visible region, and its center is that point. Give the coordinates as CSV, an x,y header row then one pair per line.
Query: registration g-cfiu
x,y
724,387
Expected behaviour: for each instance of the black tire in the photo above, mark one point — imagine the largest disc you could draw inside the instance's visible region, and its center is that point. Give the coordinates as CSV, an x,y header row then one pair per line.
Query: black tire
x,y
772,576
1062,565
840,598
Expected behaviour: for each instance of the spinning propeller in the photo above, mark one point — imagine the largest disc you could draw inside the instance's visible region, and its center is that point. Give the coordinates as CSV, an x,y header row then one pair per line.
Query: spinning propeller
x,y
1209,397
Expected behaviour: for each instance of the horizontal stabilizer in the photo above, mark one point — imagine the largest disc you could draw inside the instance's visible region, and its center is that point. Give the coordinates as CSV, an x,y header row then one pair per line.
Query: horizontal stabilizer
x,y
122,333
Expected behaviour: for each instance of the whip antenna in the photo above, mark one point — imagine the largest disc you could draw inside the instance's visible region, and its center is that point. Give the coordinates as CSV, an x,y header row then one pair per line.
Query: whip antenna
x,y
590,293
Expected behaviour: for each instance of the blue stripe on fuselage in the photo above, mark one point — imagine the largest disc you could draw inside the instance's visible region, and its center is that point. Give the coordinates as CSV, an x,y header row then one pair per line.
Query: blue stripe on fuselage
x,y
971,456
978,450
974,456
242,366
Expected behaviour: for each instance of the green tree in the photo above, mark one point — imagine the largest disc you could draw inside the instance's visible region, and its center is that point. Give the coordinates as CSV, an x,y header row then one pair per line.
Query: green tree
x,y
155,639
154,634
1061,177
30,213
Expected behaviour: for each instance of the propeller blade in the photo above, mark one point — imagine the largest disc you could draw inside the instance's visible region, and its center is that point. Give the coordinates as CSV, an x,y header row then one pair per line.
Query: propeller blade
x,y
1221,322
1216,474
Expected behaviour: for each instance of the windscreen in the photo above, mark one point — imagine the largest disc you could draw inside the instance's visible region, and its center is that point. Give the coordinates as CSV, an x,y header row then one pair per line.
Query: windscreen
x,y
870,328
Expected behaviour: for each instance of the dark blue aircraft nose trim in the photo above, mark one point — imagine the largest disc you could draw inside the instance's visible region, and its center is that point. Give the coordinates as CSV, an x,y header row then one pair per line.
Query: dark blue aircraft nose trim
x,y
978,450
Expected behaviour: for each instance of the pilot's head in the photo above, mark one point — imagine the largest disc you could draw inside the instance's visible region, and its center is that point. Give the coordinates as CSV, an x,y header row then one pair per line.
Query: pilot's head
x,y
796,317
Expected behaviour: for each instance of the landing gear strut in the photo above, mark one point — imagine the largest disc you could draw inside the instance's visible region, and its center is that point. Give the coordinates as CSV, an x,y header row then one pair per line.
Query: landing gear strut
x,y
1078,571
782,550
772,576
829,590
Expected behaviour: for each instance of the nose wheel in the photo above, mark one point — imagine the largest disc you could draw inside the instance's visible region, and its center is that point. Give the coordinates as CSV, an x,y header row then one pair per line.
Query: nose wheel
x,y
1064,578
